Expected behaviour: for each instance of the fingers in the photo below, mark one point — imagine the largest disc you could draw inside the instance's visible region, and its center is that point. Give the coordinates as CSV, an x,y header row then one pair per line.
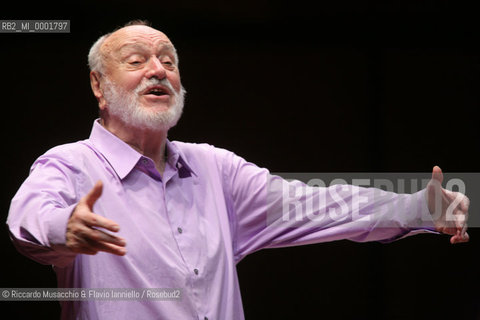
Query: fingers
x,y
458,238
103,237
107,247
461,214
435,193
83,239
83,233
449,209
95,220
93,195
87,245
465,203
437,174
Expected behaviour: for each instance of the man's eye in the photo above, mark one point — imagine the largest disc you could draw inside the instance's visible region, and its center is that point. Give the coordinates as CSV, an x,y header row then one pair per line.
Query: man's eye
x,y
136,62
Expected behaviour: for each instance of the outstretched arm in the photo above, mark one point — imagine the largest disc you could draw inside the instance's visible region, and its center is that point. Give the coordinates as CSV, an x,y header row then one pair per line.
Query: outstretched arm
x,y
51,223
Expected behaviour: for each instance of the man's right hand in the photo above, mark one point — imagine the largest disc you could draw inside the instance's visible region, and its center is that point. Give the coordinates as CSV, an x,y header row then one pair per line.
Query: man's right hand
x,y
83,235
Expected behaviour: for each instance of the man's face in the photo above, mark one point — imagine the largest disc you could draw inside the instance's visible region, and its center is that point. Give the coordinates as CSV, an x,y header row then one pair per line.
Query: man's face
x,y
141,73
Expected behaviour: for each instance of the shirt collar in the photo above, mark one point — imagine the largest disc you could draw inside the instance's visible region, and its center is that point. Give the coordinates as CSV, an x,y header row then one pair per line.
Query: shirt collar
x,y
123,157
177,159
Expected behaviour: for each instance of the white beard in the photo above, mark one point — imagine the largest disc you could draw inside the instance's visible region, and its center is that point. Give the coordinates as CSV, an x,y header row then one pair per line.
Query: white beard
x,y
125,106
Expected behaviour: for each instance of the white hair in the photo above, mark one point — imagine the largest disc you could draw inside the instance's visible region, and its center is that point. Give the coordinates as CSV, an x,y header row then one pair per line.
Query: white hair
x,y
95,57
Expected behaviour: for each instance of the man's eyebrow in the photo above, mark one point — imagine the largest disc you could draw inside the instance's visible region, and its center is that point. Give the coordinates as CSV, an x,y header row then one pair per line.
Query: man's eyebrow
x,y
168,47
139,46
135,46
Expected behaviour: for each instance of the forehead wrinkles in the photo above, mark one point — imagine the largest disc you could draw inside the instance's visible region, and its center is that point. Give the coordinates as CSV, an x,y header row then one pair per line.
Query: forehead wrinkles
x,y
149,40
150,46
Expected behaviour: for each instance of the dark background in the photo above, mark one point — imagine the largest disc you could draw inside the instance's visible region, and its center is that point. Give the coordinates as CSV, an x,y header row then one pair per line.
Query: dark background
x,y
366,86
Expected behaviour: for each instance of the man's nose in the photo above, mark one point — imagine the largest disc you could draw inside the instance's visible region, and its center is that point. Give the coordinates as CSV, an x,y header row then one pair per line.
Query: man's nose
x,y
155,69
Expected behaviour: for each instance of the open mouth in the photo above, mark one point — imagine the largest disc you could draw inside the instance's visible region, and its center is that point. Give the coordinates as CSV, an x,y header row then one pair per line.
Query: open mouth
x,y
157,91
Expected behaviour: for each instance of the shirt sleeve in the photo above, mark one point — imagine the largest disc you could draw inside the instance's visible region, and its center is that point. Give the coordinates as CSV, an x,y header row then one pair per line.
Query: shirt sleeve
x,y
39,212
271,212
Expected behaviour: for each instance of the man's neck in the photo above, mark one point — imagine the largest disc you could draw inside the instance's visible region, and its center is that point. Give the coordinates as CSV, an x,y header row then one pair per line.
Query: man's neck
x,y
150,143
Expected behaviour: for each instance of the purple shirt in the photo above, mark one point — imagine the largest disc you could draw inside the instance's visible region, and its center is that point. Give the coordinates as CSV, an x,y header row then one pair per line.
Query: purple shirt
x,y
189,227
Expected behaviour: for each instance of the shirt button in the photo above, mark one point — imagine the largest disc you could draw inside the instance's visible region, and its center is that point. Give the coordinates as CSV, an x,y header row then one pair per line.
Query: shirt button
x,y
195,271
179,230
145,161
205,318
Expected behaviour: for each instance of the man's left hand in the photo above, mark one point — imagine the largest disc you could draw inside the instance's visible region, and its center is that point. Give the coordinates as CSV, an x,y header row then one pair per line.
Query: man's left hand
x,y
449,209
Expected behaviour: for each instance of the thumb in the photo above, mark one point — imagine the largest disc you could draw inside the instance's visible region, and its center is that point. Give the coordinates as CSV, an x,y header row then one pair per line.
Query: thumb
x,y
94,194
437,174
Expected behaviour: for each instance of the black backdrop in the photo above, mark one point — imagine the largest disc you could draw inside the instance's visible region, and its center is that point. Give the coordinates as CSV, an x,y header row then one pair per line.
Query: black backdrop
x,y
339,86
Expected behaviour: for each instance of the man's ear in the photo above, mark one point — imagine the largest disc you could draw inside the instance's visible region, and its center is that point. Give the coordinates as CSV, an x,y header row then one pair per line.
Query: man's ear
x,y
97,91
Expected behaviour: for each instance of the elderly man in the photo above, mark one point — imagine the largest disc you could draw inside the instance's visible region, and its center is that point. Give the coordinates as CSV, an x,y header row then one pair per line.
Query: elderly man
x,y
127,208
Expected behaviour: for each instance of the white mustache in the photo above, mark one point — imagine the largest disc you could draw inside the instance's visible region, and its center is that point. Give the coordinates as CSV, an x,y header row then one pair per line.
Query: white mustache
x,y
152,82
